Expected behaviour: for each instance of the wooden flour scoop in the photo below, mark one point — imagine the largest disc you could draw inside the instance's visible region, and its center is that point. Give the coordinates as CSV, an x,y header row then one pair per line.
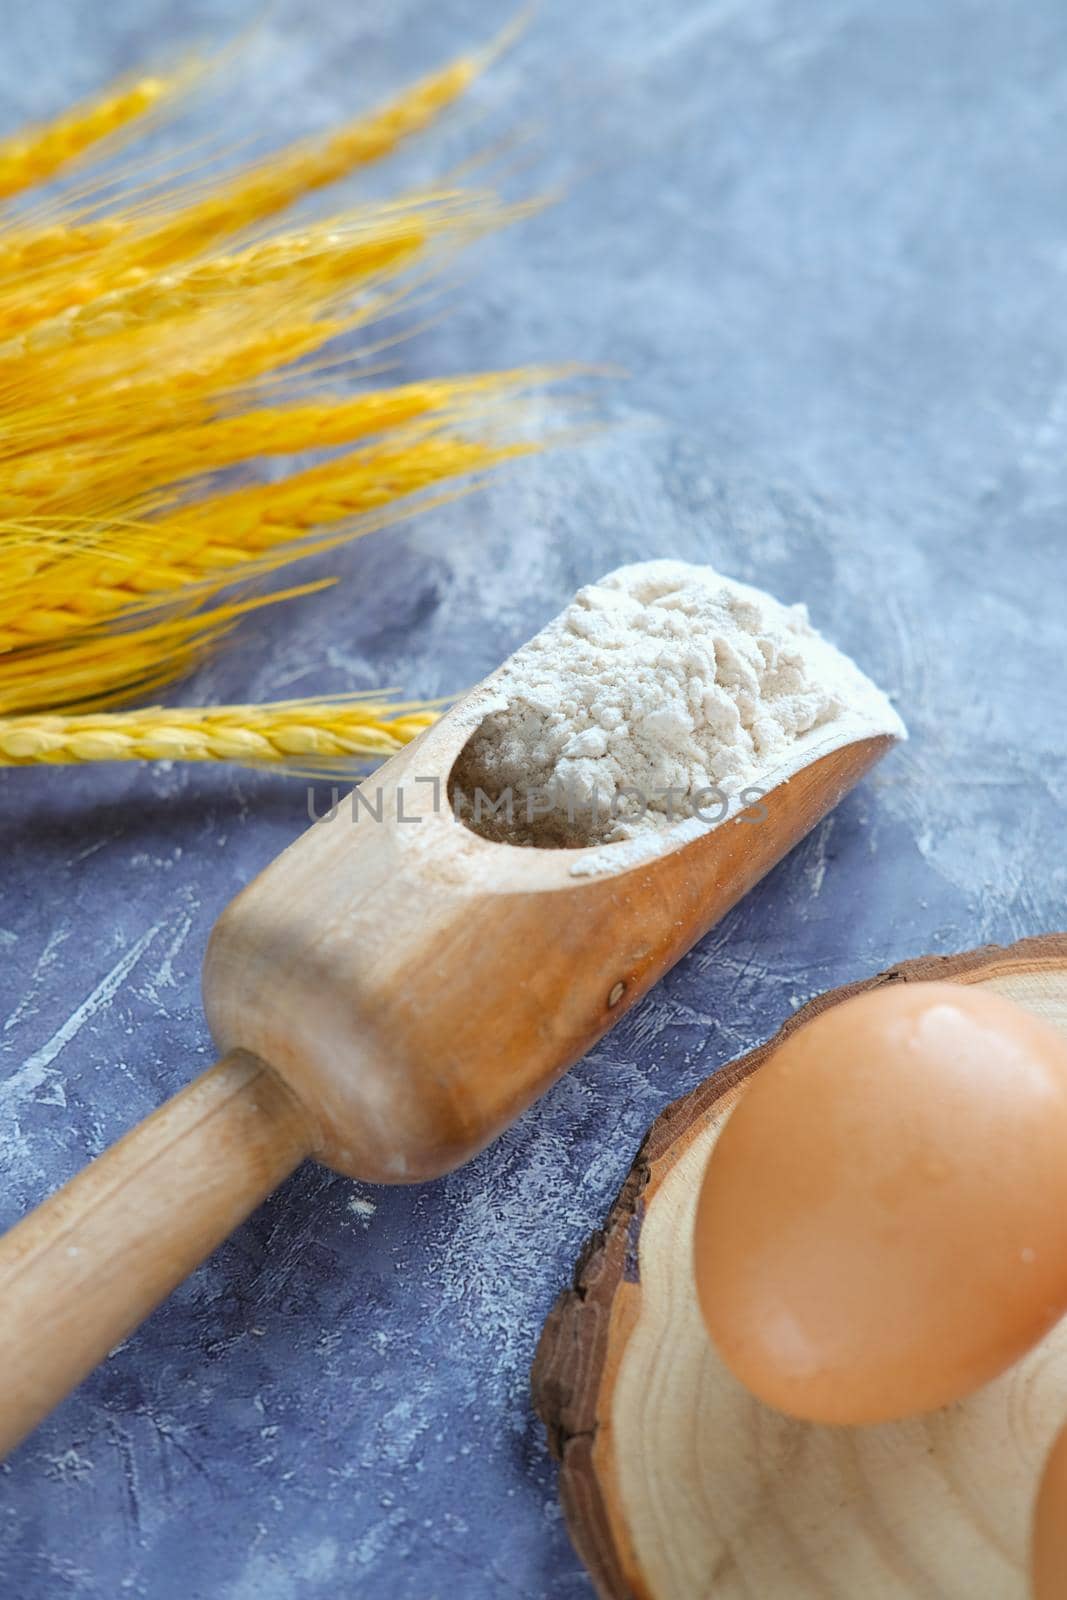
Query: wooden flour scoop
x,y
387,997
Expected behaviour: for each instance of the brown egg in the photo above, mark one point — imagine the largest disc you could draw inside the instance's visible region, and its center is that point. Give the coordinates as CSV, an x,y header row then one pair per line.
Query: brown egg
x,y
1048,1563
882,1227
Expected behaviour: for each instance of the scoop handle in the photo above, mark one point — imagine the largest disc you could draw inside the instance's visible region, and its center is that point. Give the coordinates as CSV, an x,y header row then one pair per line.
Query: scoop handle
x,y
83,1270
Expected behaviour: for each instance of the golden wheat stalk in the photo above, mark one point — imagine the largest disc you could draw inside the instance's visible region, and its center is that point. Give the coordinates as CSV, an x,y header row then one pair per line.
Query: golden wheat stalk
x,y
56,255
199,549
97,671
267,517
185,359
36,155
32,250
165,375
335,256
325,260
112,474
138,356
338,730
94,475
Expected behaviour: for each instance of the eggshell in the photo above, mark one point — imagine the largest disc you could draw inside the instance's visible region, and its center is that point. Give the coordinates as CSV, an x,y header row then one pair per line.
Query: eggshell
x,y
882,1227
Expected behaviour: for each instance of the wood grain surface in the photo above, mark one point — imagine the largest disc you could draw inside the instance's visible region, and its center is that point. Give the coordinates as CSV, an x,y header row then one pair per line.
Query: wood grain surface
x,y
418,986
677,1484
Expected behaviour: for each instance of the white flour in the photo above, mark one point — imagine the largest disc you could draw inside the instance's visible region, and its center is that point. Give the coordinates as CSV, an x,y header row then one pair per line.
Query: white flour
x,y
662,691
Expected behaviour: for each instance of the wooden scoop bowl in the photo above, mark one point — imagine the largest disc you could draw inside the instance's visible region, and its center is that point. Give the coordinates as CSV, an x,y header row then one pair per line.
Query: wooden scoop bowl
x,y
386,997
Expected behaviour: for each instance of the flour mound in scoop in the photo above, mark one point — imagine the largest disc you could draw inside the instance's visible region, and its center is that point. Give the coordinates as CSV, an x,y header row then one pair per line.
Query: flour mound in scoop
x,y
663,688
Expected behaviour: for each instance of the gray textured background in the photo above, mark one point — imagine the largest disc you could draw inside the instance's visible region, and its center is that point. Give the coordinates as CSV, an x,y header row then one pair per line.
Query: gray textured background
x,y
828,241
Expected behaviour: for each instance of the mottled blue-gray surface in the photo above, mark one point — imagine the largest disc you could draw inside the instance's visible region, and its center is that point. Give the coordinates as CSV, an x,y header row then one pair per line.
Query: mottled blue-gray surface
x,y
827,239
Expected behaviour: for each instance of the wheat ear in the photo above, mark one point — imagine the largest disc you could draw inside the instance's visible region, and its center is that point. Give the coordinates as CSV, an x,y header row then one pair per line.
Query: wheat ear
x,y
116,473
38,154
279,733
131,242
188,556
335,253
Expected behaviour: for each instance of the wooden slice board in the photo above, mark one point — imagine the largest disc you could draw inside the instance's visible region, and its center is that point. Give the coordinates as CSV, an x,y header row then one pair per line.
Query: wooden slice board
x,y
678,1485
